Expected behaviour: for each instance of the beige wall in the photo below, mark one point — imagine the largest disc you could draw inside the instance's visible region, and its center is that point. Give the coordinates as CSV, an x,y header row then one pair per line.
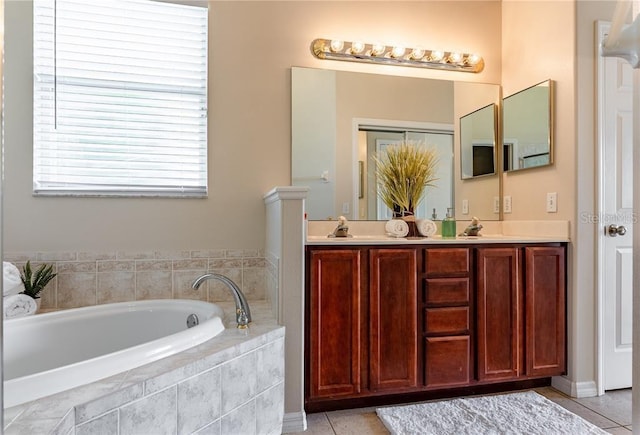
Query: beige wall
x,y
252,48
539,44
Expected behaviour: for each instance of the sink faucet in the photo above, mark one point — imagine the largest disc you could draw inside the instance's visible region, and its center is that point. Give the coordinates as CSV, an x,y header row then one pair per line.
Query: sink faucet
x,y
243,313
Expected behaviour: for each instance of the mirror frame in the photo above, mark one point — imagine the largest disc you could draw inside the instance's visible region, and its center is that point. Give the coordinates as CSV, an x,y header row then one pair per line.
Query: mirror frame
x,y
550,133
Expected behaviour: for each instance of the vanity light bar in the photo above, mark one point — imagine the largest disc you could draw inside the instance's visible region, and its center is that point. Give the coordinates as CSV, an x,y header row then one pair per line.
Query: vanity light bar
x,y
384,54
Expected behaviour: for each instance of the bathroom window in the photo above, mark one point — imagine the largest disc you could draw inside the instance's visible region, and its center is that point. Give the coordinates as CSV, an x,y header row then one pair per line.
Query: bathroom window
x,y
120,98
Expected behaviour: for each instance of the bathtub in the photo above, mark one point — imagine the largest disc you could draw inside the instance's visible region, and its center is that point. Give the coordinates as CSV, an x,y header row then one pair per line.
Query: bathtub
x,y
53,352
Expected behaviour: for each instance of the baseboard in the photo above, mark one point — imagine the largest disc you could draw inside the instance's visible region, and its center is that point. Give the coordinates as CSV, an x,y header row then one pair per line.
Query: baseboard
x,y
574,389
294,422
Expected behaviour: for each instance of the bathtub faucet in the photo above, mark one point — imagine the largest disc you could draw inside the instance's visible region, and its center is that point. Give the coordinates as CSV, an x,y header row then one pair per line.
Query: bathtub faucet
x,y
243,313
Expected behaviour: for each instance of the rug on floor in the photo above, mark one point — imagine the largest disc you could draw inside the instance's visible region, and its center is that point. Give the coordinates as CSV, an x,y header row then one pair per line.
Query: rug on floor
x,y
515,413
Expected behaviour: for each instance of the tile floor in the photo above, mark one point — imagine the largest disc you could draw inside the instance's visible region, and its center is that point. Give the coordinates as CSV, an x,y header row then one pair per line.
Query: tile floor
x,y
611,412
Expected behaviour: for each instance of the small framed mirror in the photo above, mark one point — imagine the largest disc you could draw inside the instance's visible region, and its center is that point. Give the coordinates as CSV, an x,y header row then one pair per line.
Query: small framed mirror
x,y
478,142
527,122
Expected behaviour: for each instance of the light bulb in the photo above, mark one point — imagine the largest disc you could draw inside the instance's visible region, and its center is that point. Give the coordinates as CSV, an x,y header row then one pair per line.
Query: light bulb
x,y
455,58
357,47
436,56
377,49
336,45
417,53
397,51
473,59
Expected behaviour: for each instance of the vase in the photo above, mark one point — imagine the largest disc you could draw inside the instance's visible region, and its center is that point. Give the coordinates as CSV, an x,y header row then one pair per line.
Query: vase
x,y
409,218
413,227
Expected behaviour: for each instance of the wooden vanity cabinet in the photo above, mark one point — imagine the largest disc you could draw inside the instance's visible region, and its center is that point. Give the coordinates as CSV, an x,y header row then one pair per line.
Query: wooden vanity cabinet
x,y
390,323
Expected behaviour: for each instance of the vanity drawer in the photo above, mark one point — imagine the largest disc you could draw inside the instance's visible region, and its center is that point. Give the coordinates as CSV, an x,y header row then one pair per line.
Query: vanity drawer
x,y
446,291
446,261
447,361
449,320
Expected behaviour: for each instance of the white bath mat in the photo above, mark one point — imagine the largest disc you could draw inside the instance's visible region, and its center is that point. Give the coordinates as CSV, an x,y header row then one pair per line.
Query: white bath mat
x,y
516,413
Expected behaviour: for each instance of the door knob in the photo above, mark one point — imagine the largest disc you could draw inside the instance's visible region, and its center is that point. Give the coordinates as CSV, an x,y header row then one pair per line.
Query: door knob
x,y
616,230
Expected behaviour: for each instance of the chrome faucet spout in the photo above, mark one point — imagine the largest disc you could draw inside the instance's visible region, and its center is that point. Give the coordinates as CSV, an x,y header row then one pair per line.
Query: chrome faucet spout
x,y
243,313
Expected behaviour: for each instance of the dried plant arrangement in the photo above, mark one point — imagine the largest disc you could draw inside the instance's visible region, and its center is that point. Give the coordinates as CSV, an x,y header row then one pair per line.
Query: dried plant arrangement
x,y
403,172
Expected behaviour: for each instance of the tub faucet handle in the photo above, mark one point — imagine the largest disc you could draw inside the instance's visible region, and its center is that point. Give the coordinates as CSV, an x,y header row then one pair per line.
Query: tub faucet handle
x,y
242,319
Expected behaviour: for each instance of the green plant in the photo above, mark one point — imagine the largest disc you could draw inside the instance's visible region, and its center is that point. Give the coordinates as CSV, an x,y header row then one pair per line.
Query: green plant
x,y
35,282
403,172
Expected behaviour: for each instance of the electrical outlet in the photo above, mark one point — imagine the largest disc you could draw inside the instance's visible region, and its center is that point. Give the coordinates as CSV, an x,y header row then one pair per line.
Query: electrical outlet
x,y
552,202
507,203
345,208
496,204
465,206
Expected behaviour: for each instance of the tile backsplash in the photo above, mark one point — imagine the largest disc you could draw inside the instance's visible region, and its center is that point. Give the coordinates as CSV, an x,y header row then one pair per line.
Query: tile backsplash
x,y
91,278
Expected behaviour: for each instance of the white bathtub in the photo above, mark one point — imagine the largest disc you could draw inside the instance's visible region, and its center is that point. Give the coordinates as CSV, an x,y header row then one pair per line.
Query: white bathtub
x,y
53,352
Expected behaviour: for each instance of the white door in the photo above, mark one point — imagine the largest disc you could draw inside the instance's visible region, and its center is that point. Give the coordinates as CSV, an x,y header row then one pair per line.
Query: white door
x,y
615,106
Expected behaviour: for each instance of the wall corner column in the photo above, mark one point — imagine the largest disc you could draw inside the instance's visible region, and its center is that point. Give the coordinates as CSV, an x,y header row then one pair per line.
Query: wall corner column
x,y
285,239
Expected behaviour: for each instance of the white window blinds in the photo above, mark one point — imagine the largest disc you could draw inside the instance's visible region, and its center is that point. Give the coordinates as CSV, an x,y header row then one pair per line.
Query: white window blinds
x,y
120,98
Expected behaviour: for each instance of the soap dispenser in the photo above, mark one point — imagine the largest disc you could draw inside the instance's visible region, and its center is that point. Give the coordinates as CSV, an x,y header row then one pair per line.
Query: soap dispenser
x,y
449,225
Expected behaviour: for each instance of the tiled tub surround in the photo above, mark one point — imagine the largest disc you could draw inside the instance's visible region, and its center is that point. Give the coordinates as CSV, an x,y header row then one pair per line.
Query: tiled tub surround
x,y
233,383
92,278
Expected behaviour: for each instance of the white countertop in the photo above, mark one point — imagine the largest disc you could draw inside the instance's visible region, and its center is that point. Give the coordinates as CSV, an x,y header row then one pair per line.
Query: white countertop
x,y
373,233
434,240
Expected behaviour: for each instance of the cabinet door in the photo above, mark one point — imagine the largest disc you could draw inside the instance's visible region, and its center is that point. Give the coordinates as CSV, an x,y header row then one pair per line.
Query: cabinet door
x,y
335,322
499,319
545,311
393,319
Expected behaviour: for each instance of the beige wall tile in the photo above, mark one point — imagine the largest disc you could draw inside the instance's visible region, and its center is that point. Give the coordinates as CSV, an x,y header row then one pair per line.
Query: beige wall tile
x,y
254,283
76,290
117,265
153,265
197,264
171,255
154,284
218,291
76,266
95,256
116,287
182,281
210,253
219,263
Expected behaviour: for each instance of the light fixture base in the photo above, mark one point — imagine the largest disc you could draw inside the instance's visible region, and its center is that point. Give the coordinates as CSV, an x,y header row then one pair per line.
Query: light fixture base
x,y
388,55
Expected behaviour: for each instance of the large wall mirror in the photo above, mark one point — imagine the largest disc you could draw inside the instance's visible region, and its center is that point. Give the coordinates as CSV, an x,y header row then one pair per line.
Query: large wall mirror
x,y
528,128
340,118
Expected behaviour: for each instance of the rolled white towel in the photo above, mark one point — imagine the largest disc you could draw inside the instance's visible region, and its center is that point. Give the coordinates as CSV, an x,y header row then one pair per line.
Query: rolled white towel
x,y
426,227
11,282
396,228
18,306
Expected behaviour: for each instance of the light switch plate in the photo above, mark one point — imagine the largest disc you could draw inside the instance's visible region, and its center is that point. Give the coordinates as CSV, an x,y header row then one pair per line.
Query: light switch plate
x,y
507,203
465,206
552,202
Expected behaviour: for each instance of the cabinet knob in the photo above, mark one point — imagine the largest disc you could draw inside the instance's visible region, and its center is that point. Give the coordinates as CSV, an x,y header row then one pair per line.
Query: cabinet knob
x,y
615,230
